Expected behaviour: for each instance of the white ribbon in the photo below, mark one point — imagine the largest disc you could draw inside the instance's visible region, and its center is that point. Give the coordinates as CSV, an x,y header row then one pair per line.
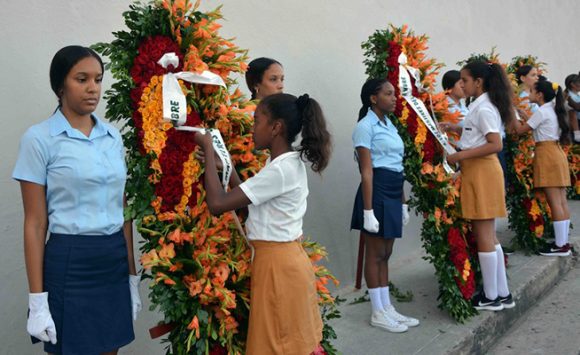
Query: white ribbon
x,y
174,104
175,111
405,85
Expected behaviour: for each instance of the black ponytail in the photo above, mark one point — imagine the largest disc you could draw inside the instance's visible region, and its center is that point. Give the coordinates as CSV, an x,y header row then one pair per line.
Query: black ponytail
x,y
523,71
304,115
370,88
497,85
547,89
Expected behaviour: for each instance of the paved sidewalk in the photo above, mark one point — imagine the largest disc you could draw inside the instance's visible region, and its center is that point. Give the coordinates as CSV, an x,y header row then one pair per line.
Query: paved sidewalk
x,y
530,277
551,327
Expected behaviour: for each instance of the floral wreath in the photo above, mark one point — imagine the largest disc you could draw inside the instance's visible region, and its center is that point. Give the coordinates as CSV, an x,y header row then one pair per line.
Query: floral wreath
x,y
446,237
198,264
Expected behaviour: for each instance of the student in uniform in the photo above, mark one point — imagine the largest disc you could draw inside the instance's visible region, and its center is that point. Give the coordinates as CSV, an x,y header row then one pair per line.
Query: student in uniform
x,y
482,183
284,312
572,104
527,76
379,209
71,169
549,126
265,76
451,83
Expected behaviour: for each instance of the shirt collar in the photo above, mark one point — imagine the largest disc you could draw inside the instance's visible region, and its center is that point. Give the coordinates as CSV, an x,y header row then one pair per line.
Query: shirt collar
x,y
375,119
59,124
549,105
480,100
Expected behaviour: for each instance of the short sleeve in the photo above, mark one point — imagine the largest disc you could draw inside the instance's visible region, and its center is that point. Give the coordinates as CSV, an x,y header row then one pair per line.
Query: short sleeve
x,y
32,160
536,119
265,185
362,136
488,122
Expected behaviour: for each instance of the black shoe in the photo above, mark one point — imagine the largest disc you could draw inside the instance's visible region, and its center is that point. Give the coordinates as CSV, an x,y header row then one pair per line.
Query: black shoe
x,y
553,250
507,250
480,302
507,301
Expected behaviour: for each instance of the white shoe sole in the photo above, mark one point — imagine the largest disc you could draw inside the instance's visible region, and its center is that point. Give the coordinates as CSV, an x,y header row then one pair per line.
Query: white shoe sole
x,y
390,329
568,253
490,308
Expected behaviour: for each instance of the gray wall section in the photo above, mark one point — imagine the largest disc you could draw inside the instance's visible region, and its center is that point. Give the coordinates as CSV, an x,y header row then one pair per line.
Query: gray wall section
x,y
319,44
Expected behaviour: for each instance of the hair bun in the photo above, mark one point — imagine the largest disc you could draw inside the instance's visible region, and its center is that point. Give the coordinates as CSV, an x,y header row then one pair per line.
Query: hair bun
x,y
302,102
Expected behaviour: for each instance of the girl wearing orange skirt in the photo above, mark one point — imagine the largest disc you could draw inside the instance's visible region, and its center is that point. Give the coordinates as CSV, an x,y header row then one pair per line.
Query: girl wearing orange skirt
x,y
482,182
284,313
549,126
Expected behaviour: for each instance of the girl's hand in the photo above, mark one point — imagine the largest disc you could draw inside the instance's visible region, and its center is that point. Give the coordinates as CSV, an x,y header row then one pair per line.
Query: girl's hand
x,y
454,158
200,155
203,140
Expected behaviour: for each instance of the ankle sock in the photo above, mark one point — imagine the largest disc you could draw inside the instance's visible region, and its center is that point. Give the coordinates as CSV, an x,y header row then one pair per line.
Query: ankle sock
x,y
375,295
385,297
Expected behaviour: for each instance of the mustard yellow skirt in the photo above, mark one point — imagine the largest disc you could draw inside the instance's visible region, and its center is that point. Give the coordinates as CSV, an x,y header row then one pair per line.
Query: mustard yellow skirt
x,y
284,312
482,188
550,165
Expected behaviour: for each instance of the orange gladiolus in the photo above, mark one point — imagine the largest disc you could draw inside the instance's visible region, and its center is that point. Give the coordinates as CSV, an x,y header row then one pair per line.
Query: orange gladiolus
x,y
194,325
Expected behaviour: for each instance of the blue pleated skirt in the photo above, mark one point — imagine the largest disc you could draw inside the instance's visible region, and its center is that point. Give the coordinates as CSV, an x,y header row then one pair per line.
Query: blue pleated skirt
x,y
387,204
87,280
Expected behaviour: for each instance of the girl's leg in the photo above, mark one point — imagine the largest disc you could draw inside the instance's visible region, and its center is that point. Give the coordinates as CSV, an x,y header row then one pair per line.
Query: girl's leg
x,y
374,259
556,197
384,272
484,230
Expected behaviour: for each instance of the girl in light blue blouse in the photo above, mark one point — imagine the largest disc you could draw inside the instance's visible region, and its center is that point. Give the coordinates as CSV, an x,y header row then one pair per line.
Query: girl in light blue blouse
x,y
378,209
527,76
71,169
451,83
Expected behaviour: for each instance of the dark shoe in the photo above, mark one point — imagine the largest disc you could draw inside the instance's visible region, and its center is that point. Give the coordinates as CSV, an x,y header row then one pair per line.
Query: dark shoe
x,y
480,302
507,250
553,250
507,301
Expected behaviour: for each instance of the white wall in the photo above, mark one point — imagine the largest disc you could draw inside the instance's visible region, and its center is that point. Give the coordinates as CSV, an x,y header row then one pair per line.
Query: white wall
x,y
318,41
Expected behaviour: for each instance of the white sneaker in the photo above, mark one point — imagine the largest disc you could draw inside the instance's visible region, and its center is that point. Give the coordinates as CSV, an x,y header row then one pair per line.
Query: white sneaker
x,y
393,314
381,320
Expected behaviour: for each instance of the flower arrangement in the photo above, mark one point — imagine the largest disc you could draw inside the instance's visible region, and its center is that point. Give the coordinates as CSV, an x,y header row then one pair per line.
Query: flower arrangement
x,y
446,237
198,264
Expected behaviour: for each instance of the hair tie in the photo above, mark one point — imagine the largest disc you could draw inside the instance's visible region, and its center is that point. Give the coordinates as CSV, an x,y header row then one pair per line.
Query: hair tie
x,y
302,102
555,86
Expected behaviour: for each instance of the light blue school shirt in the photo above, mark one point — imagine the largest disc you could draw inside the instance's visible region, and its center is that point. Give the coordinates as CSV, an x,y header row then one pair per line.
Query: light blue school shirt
x,y
382,139
455,107
533,106
576,98
84,176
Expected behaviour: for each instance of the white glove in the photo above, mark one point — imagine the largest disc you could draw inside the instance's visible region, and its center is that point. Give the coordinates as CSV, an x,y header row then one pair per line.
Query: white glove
x,y
370,221
135,298
405,214
40,324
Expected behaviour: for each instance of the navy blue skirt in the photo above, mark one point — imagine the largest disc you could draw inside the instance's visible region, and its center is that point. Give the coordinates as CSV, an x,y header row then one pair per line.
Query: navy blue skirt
x,y
387,204
87,280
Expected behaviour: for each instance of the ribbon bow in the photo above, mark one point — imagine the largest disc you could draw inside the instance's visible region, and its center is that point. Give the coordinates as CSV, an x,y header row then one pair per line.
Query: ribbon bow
x,y
174,104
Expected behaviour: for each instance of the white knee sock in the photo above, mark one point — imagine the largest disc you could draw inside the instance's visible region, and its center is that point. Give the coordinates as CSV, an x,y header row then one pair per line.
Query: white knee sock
x,y
375,295
385,298
488,263
502,285
560,232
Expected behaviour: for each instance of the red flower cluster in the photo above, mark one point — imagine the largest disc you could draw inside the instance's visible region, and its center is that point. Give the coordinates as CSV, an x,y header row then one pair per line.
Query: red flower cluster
x,y
144,67
177,151
458,251
527,202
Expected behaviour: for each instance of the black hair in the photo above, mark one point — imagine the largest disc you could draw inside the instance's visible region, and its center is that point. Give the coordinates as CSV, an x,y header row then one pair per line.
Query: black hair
x,y
64,60
370,88
523,71
255,72
547,89
496,84
450,78
304,115
571,79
